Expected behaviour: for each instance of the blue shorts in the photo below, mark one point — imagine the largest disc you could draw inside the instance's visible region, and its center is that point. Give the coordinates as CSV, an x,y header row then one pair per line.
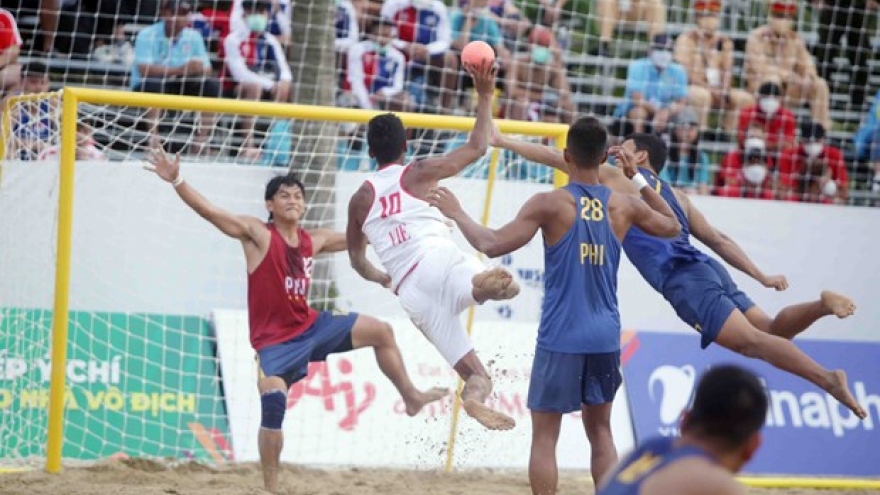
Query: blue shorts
x,y
562,383
330,334
874,147
703,296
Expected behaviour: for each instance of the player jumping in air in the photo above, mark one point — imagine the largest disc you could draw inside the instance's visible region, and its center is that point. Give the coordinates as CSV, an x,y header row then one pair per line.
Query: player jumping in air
x,y
699,288
577,360
284,331
434,279
719,434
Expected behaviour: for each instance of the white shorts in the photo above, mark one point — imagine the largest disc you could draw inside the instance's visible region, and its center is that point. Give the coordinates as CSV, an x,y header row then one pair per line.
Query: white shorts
x,y
435,294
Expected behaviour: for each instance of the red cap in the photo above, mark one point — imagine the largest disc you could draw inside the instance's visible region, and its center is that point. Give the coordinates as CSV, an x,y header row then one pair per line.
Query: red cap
x,y
707,6
783,8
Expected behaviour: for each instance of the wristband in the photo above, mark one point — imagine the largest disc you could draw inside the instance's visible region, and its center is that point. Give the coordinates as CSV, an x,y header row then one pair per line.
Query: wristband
x,y
640,181
179,180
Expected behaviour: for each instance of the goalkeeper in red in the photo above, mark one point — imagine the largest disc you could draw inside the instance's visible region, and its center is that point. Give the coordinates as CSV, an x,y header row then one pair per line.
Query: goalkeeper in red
x,y
286,333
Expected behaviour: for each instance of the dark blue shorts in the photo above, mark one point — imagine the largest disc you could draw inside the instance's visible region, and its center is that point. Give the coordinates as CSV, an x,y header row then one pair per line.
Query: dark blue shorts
x,y
562,383
703,296
330,334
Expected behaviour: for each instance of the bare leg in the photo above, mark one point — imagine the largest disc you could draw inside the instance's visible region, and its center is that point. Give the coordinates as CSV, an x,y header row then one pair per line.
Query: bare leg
x,y
370,332
477,387
597,423
270,442
793,320
543,470
740,336
495,284
50,11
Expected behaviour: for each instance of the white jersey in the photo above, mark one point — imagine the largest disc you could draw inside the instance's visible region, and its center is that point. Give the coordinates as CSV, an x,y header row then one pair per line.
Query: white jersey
x,y
401,227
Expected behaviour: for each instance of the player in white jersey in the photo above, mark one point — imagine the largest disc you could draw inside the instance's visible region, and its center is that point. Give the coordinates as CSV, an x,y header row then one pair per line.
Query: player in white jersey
x,y
434,279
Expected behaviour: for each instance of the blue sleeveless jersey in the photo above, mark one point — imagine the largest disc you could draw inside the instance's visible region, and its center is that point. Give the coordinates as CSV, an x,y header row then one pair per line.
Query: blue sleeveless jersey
x,y
652,456
654,257
579,313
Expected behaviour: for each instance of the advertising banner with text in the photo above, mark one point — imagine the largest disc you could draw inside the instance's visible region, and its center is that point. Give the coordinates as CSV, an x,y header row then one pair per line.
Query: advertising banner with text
x,y
807,432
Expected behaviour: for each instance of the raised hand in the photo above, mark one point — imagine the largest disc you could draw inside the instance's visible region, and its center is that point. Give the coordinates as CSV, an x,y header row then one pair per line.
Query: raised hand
x,y
163,165
625,160
443,199
484,77
778,282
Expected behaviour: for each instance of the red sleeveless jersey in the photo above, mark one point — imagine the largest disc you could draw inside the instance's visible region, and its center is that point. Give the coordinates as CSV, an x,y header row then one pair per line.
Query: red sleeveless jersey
x,y
278,290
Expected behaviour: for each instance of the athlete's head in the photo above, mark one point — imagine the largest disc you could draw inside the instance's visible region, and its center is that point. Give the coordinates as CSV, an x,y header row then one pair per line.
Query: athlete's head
x,y
585,145
649,150
730,407
386,139
285,198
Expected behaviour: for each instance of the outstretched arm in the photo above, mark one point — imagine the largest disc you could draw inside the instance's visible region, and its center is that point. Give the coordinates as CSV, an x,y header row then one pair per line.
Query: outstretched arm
x,y
241,227
725,247
533,152
493,243
357,241
431,170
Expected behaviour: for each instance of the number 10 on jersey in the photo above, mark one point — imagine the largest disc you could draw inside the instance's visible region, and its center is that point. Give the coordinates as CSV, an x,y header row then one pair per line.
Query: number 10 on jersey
x,y
390,204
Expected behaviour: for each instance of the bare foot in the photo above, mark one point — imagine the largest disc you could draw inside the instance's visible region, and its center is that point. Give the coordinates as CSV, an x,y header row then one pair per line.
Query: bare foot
x,y
488,417
495,283
416,403
839,389
838,304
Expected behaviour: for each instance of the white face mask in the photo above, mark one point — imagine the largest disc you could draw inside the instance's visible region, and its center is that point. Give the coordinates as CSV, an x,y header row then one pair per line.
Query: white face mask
x,y
830,188
769,105
661,58
813,149
755,174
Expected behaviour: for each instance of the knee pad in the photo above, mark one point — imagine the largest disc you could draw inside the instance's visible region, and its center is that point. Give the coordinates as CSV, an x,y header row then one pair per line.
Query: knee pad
x,y
274,403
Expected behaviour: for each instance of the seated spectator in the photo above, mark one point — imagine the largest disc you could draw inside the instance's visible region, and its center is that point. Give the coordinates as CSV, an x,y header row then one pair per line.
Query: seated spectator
x,y
813,172
424,35
867,141
610,12
255,62
747,172
171,58
514,24
707,56
279,19
656,88
86,149
376,71
476,23
10,46
535,73
34,124
775,52
347,32
777,123
687,166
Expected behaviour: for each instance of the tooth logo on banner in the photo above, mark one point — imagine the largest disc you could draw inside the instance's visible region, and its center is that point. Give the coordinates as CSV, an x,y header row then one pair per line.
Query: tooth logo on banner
x,y
671,387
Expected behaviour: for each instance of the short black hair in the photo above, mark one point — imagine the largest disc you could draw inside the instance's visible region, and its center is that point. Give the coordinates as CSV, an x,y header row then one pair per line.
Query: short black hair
x,y
34,68
730,405
587,142
386,138
654,145
769,88
256,5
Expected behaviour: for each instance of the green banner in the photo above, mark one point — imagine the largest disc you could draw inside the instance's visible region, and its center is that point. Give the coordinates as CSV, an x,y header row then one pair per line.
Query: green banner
x,y
139,385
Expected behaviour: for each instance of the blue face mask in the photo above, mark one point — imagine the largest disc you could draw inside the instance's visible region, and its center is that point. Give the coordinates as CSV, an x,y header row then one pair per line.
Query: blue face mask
x,y
257,23
540,54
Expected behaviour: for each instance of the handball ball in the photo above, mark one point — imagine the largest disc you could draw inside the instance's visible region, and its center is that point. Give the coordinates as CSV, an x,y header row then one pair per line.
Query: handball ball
x,y
477,53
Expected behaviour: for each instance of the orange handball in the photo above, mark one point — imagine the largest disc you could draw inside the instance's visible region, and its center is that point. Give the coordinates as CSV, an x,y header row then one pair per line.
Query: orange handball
x,y
477,54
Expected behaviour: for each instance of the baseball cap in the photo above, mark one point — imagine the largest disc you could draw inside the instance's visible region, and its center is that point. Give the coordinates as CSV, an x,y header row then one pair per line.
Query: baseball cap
x,y
812,131
770,88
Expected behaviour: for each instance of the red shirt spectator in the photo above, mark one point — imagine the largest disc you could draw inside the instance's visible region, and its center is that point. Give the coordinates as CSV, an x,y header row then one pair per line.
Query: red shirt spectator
x,y
814,172
746,173
777,122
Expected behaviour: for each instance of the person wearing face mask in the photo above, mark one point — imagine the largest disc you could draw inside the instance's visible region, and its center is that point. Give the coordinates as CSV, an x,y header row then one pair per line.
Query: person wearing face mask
x,y
775,52
533,74
746,172
815,171
255,66
777,123
376,71
707,55
279,19
656,88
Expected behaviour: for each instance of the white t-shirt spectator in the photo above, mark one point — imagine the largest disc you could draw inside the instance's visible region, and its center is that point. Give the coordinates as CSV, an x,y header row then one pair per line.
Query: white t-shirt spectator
x,y
255,58
420,21
279,23
374,70
346,26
